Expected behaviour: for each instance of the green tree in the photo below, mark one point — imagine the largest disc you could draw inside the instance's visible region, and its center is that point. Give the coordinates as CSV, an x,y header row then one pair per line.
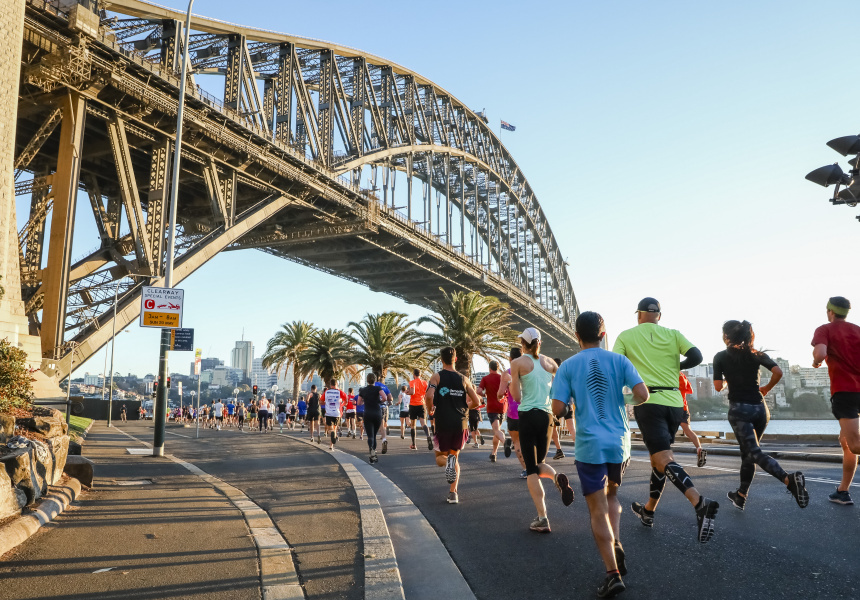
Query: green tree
x,y
16,383
285,348
474,325
808,403
387,342
329,353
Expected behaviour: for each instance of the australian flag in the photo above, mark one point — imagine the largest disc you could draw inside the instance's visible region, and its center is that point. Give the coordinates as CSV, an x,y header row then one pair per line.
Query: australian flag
x,y
507,126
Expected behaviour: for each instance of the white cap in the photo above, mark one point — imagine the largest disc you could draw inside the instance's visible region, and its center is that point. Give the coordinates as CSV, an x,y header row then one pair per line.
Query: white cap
x,y
529,335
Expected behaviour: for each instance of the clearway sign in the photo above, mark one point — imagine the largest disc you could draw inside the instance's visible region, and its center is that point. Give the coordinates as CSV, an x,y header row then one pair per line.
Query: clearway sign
x,y
161,307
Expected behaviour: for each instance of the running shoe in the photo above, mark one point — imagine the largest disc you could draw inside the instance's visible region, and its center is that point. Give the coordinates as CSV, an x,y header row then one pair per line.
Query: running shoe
x,y
841,497
429,444
385,446
333,438
702,459
645,515
481,438
563,485
402,436
492,458
453,498
451,469
373,457
475,445
797,488
540,524
620,559
524,475
508,443
612,586
738,501
318,440
558,454
412,446
705,516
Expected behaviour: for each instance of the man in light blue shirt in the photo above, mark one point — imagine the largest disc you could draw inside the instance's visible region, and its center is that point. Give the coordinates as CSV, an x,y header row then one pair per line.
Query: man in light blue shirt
x,y
593,381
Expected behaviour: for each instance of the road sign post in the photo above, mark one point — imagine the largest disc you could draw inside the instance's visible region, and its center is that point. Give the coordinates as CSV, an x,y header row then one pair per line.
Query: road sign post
x,y
198,357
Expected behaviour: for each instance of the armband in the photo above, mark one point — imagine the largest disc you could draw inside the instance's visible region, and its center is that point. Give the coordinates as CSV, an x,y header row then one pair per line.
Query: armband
x,y
432,385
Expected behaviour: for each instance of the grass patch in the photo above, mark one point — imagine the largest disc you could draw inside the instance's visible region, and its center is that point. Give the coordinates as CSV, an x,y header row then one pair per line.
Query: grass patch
x,y
77,426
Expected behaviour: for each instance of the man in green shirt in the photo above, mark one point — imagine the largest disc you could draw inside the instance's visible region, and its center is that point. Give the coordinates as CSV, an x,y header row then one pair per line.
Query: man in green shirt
x,y
655,351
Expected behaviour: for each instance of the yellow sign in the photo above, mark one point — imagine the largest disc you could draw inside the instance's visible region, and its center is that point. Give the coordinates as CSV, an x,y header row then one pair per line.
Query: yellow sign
x,y
156,319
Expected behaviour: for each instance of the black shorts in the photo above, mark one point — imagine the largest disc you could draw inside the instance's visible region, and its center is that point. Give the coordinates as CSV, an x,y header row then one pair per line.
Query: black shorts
x,y
845,405
220,418
404,414
686,418
658,425
332,420
493,417
314,416
416,412
474,419
535,434
513,424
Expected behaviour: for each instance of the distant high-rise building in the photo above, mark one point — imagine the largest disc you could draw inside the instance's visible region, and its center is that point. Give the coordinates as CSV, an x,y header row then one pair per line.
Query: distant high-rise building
x,y
261,377
242,357
96,380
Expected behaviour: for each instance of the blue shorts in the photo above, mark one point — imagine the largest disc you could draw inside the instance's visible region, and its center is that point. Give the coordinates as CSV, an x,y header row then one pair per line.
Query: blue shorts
x,y
594,477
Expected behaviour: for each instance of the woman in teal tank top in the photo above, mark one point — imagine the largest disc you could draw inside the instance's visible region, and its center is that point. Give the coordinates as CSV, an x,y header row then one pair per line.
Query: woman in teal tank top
x,y
531,380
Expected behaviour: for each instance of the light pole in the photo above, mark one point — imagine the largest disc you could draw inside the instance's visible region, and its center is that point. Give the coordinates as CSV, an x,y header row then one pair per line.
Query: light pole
x,y
196,411
275,393
161,401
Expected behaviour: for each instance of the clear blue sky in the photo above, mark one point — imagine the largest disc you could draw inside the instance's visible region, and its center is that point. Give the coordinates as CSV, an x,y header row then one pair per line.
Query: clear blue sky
x,y
666,141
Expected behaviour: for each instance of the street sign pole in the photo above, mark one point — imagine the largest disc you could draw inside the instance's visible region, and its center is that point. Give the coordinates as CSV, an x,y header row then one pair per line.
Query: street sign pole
x,y
161,401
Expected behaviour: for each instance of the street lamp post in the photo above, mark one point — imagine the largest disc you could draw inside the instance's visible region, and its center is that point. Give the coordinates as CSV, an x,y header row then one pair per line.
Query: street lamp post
x,y
161,401
196,411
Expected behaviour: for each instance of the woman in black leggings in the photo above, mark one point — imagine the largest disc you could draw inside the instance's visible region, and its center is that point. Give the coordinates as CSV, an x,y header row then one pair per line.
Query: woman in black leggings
x,y
748,415
372,397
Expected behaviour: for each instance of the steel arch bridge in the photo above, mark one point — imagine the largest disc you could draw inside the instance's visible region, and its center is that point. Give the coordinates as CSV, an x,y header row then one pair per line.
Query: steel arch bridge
x,y
318,153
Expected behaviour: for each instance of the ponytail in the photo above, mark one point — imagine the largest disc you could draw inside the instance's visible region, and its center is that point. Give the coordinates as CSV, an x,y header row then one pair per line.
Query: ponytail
x,y
739,336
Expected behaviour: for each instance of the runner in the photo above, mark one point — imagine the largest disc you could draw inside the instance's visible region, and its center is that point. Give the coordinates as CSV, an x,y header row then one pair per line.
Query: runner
x,y
349,413
218,407
513,414
123,412
450,394
240,415
384,428
686,389
592,382
418,391
558,423
252,415
496,408
292,414
838,343
371,398
359,420
263,413
314,414
231,408
474,424
282,414
302,407
404,398
531,380
655,351
334,400
739,364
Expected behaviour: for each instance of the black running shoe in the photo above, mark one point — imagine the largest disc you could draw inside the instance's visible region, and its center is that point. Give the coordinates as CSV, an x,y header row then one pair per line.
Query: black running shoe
x,y
797,487
558,454
480,438
429,444
702,460
645,515
612,586
492,458
333,438
705,516
619,559
738,501
385,446
563,485
508,443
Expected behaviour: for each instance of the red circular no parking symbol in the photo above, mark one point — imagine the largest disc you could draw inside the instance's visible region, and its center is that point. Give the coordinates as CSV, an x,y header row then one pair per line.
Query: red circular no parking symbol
x,y
149,304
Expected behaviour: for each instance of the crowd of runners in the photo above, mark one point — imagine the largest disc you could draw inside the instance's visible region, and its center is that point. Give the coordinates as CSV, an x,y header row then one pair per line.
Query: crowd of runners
x,y
586,396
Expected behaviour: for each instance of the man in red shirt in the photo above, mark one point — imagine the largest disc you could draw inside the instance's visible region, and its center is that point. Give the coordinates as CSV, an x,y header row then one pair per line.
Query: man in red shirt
x,y
496,409
838,343
686,389
417,390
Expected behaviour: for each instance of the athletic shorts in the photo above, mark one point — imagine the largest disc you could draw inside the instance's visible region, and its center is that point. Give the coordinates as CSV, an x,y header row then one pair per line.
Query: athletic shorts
x,y
302,416
359,416
313,416
493,417
332,420
686,417
404,414
220,418
474,419
658,425
513,424
594,477
416,412
348,414
845,405
445,441
241,419
282,418
535,435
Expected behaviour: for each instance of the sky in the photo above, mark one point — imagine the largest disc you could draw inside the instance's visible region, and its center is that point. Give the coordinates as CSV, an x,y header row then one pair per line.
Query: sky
x,y
667,142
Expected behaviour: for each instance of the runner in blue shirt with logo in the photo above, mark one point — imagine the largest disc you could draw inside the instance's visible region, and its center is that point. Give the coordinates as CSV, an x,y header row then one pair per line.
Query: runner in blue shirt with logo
x,y
593,381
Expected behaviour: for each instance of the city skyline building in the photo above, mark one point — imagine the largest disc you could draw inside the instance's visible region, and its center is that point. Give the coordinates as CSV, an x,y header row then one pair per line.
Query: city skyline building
x,y
242,357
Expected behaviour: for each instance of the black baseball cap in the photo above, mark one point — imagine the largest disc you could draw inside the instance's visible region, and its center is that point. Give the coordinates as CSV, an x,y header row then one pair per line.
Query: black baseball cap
x,y
648,305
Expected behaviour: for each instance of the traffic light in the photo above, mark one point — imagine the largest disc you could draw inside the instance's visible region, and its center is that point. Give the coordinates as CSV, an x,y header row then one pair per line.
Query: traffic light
x,y
168,383
255,391
154,389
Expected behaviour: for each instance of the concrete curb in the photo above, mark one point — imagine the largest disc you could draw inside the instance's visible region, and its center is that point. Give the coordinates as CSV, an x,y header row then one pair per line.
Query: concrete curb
x,y
19,530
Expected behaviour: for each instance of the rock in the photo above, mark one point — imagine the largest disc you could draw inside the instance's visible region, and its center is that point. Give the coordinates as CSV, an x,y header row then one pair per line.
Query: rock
x,y
12,500
22,467
81,469
59,449
7,428
52,426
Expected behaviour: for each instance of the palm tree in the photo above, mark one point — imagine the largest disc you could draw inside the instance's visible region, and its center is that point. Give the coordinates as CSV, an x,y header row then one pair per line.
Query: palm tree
x,y
329,352
387,342
472,324
284,349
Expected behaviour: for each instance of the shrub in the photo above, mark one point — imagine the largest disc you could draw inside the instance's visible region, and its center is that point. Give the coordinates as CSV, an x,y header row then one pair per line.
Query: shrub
x,y
16,382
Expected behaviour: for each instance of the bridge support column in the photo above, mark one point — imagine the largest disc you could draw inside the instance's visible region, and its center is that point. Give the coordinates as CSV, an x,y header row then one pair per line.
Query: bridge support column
x,y
56,274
